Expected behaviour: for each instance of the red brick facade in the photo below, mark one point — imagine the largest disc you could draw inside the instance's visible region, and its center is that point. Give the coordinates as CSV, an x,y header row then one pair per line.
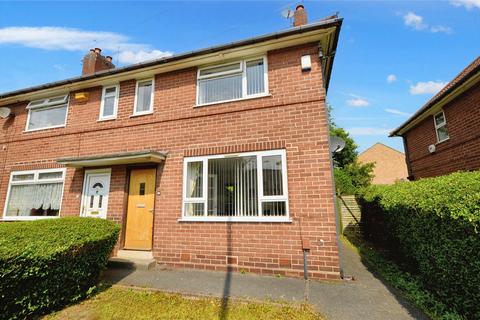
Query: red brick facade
x,y
293,118
460,152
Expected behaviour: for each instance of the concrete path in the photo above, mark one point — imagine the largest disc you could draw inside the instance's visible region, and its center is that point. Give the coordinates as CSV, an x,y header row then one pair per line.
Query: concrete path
x,y
365,298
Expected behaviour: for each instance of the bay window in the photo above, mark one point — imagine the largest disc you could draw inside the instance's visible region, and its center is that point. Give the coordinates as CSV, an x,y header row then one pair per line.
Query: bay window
x,y
47,113
34,194
232,81
242,187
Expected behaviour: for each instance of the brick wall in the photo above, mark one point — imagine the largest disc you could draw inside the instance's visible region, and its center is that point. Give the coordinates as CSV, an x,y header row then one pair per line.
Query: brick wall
x,y
390,165
292,118
461,151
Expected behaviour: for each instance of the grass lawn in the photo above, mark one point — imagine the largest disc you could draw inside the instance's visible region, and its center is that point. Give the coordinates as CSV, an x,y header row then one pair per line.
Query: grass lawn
x,y
124,303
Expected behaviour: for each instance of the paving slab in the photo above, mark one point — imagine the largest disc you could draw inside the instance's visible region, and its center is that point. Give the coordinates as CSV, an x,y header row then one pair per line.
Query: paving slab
x,y
365,298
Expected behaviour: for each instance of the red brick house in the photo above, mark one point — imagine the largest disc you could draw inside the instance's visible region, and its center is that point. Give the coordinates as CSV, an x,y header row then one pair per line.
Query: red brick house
x,y
210,159
444,135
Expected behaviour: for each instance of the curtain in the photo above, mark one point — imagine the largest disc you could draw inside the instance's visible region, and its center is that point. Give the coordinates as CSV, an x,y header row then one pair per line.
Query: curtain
x,y
24,199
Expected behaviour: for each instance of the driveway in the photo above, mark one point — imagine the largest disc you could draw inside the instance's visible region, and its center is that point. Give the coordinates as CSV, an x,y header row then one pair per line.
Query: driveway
x,y
365,298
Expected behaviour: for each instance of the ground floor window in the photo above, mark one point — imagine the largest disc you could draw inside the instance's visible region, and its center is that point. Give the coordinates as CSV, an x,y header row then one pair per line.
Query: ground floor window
x,y
240,187
33,194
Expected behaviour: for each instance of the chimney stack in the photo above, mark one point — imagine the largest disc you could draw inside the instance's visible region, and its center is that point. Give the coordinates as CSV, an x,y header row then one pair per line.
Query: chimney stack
x,y
95,62
299,16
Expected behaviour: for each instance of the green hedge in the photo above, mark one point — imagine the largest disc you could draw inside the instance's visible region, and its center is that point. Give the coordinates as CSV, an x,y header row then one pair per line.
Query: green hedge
x,y
432,226
46,264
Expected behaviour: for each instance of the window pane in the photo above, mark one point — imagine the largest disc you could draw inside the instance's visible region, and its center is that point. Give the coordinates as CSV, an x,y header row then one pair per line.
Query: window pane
x,y
50,175
439,118
23,177
274,209
226,68
194,179
220,89
144,96
255,77
442,133
110,91
44,118
272,176
108,106
232,187
194,209
35,200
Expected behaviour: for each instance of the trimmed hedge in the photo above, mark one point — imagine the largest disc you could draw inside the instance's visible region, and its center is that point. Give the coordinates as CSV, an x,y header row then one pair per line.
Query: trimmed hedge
x,y
432,226
46,264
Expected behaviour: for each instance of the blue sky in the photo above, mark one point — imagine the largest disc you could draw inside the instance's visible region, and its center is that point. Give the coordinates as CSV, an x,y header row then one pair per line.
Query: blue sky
x,y
392,55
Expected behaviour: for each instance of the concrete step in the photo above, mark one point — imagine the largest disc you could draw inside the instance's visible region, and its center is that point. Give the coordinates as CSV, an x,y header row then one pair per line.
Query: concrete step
x,y
132,259
134,254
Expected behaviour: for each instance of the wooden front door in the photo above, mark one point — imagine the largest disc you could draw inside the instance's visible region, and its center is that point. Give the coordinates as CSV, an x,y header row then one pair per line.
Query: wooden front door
x,y
141,203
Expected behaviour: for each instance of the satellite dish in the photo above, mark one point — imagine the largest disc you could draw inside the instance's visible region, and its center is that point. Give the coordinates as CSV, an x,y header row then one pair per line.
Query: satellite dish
x,y
287,13
5,112
336,144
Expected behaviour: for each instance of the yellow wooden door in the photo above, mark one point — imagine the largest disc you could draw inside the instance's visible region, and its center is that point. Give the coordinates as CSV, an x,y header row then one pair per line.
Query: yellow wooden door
x,y
141,202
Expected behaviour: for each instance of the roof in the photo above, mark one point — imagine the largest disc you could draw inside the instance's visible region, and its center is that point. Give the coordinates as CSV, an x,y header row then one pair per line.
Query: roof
x,y
384,146
471,70
330,22
142,156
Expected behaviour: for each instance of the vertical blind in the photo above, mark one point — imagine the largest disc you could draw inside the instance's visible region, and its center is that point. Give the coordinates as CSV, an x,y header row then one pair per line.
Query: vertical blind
x,y
233,187
226,83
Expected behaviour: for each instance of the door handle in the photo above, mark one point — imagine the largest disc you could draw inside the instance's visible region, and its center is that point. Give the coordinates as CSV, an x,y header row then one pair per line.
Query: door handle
x,y
151,210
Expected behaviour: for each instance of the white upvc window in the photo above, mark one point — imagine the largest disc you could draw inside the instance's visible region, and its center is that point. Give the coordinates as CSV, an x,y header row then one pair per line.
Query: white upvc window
x,y
232,81
441,126
248,187
47,113
34,194
109,104
144,97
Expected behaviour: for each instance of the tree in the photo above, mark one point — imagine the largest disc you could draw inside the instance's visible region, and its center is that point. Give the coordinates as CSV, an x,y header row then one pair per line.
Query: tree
x,y
349,153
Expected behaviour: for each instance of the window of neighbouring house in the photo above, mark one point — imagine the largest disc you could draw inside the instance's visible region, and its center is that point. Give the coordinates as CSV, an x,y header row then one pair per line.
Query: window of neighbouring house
x,y
34,194
47,113
441,126
232,81
144,97
109,104
245,187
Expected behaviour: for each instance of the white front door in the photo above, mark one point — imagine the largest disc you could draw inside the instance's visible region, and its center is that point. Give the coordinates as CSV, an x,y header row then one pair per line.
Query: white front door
x,y
95,194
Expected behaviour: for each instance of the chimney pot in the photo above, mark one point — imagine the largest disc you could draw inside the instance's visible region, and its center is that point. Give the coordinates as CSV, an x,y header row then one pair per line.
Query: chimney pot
x,y
94,62
98,50
108,58
299,16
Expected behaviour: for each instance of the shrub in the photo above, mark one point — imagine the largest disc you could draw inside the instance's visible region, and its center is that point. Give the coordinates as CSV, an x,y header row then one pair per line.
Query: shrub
x,y
46,264
352,177
432,225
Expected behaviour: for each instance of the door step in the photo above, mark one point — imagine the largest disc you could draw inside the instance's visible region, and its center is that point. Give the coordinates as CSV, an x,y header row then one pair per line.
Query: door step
x,y
131,259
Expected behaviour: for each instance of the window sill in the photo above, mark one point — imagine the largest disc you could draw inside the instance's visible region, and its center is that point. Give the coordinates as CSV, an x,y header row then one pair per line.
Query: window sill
x,y
141,114
27,218
106,119
263,95
445,140
41,129
236,219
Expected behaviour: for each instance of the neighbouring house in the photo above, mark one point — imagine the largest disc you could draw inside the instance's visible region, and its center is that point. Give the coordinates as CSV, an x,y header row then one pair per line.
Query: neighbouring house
x,y
212,159
390,165
444,135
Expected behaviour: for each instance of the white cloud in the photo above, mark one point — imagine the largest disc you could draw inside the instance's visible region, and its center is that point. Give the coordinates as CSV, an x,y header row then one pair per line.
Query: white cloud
x,y
391,78
357,101
469,4
397,112
70,39
429,87
416,22
368,131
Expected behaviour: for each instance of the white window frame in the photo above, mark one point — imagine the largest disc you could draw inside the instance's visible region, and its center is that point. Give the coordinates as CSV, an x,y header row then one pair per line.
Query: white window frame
x,y
441,125
243,70
115,105
45,105
150,110
35,180
261,198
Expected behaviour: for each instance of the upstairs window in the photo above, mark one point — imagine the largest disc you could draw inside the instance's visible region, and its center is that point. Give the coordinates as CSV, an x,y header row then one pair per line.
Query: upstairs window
x,y
441,126
232,81
144,97
47,113
109,104
245,187
34,194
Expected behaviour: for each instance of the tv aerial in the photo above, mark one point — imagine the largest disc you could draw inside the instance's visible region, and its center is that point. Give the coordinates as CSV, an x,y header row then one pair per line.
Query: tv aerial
x,y
336,144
